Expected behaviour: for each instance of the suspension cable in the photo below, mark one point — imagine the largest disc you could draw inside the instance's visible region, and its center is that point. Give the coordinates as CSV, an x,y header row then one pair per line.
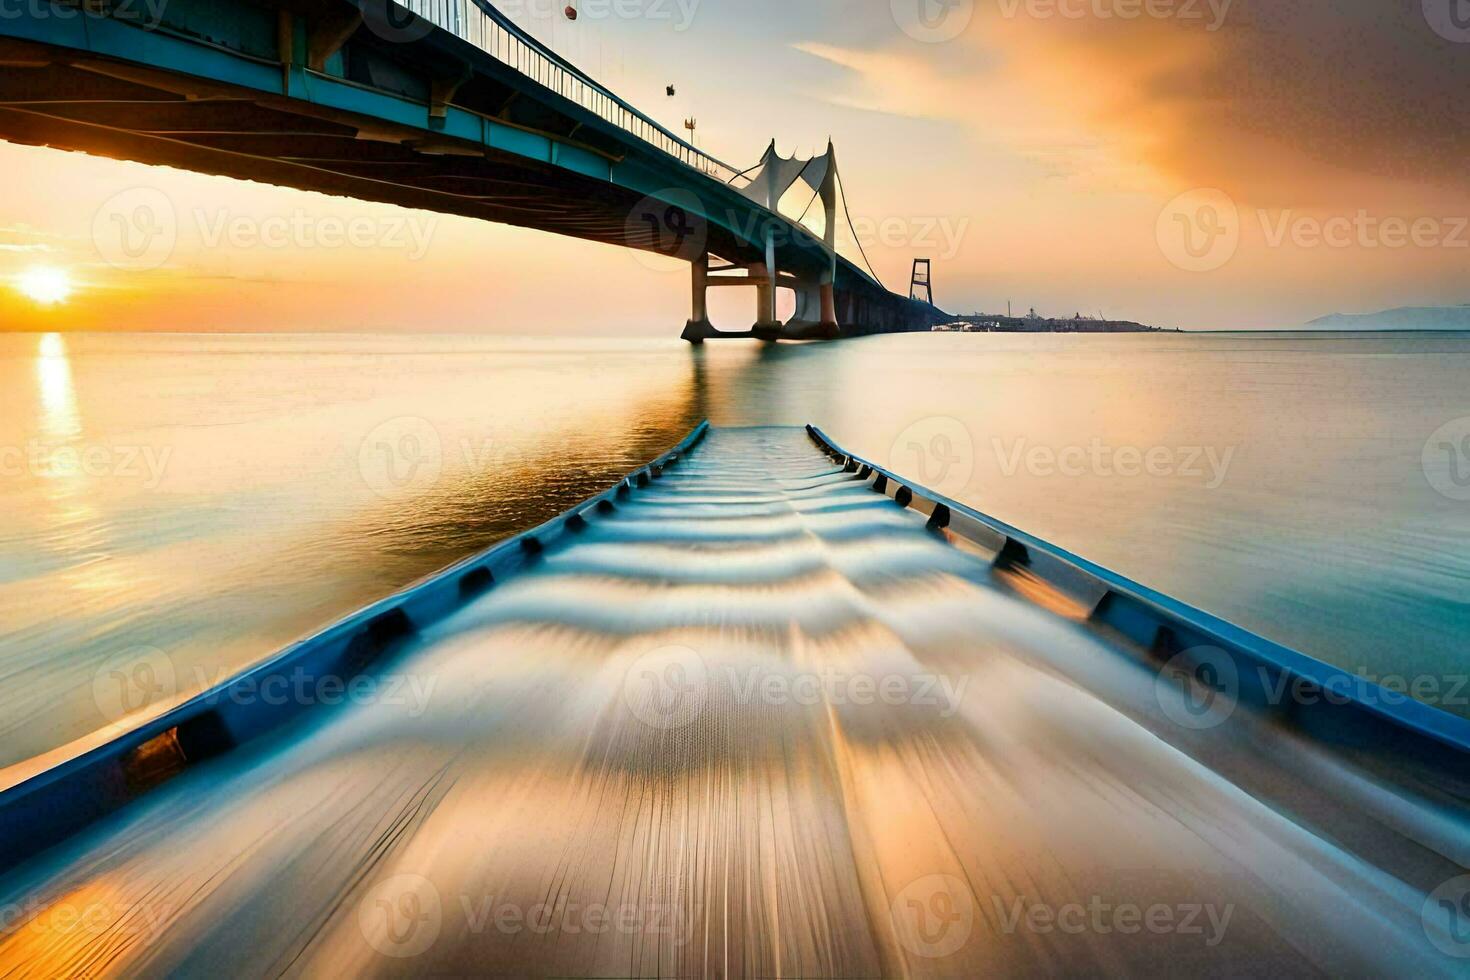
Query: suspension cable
x,y
841,189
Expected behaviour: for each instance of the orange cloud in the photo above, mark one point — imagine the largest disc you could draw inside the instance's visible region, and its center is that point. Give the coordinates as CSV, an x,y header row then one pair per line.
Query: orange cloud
x,y
1309,103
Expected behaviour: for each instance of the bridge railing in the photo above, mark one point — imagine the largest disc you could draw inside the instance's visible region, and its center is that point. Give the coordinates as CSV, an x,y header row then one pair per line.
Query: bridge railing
x,y
481,24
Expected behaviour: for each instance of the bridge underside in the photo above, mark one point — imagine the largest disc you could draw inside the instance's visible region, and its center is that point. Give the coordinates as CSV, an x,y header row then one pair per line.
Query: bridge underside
x,y
49,97
376,121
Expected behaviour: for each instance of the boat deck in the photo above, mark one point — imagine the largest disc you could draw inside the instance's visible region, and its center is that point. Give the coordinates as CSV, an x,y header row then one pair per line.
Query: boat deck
x,y
754,720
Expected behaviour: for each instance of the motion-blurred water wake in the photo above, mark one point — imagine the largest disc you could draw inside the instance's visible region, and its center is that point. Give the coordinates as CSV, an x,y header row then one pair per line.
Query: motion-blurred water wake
x,y
756,722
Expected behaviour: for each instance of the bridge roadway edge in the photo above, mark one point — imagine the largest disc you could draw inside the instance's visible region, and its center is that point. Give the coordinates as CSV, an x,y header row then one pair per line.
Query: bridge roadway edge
x,y
211,65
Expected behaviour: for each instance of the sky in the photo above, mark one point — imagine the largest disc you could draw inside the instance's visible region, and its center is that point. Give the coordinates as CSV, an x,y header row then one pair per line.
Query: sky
x,y
1203,164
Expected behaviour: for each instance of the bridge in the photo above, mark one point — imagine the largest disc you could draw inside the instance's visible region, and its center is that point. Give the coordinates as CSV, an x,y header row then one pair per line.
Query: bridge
x,y
763,708
443,105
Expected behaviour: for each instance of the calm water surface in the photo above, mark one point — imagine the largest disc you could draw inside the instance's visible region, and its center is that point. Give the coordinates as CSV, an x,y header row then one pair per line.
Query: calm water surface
x,y
193,503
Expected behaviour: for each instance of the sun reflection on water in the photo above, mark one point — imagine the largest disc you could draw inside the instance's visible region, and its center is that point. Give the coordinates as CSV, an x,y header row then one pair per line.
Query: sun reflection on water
x,y
59,419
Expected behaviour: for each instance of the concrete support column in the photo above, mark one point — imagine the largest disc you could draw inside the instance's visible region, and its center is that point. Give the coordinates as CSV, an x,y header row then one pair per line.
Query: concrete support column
x,y
829,309
770,308
699,327
816,312
700,283
767,327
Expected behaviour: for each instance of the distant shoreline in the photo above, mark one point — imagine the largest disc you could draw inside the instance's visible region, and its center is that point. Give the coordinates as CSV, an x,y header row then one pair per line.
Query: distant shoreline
x,y
991,323
1427,318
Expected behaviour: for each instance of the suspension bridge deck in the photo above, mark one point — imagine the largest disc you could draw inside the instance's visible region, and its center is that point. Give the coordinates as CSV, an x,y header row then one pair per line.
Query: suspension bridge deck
x,y
744,715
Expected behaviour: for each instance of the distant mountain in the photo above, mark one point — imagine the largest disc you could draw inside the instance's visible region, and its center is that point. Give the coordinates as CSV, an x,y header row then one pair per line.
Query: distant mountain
x,y
1403,318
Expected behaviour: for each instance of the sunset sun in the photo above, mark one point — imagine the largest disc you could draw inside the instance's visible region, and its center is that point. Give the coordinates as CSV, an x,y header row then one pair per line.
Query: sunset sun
x,y
46,285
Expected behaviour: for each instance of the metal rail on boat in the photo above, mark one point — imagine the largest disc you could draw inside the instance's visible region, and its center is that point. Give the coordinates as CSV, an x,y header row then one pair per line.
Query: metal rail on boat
x,y
1348,710
54,804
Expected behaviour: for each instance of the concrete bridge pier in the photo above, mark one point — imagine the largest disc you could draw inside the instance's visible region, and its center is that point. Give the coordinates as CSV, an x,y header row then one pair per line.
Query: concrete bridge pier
x,y
816,312
761,275
815,317
698,328
767,326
